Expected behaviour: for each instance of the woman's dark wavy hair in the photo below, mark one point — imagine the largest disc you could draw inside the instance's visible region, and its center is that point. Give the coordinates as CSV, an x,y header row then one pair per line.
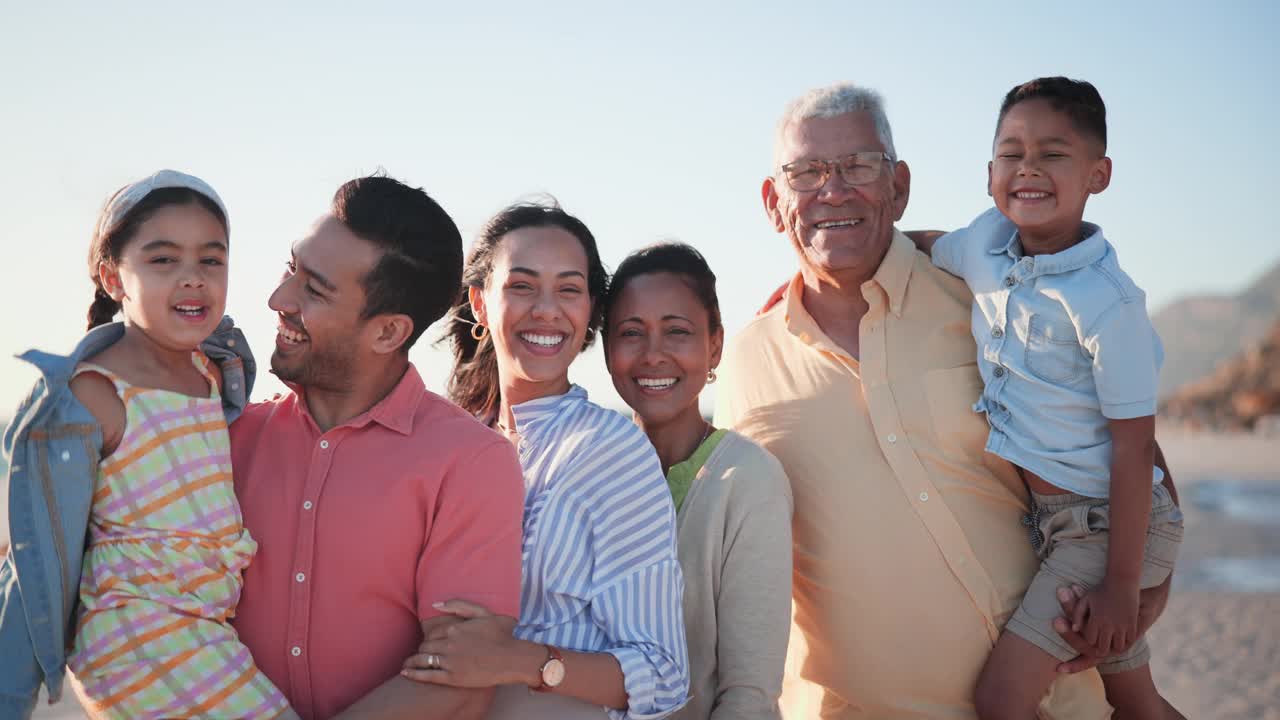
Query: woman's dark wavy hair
x,y
108,244
677,258
474,383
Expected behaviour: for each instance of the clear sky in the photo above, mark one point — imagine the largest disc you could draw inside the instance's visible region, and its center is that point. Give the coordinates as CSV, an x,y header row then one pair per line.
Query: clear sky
x,y
647,120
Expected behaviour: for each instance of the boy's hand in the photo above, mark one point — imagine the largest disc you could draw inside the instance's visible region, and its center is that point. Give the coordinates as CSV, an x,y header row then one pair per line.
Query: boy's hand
x,y
1108,617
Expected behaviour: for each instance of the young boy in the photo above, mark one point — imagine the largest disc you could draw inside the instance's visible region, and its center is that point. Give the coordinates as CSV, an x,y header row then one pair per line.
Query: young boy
x,y
1069,361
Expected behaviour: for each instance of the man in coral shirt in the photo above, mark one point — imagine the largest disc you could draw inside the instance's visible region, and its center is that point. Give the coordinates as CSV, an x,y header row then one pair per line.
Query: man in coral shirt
x,y
370,497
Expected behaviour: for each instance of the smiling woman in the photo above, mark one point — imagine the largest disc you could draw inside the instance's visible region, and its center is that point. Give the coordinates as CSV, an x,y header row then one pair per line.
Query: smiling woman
x,y
600,627
662,343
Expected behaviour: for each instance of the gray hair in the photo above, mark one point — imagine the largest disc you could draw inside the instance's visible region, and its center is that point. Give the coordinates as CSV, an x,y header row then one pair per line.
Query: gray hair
x,y
833,101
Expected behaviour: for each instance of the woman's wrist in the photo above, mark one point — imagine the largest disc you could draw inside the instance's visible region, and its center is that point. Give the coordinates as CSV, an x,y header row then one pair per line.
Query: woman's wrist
x,y
527,661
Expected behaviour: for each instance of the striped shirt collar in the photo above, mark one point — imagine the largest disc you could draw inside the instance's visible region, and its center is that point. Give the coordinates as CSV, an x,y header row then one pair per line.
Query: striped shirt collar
x,y
532,414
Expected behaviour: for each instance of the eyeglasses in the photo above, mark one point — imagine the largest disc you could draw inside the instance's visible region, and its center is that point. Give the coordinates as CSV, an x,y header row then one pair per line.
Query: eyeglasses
x,y
857,168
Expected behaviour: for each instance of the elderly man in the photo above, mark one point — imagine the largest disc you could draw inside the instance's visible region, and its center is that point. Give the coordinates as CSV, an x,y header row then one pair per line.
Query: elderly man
x,y
910,554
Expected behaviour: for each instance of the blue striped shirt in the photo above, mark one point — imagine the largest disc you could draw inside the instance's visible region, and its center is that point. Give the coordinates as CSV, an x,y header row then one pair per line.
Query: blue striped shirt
x,y
599,558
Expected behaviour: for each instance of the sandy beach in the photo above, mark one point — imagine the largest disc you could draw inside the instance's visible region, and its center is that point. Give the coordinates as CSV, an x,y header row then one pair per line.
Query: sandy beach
x,y
1216,650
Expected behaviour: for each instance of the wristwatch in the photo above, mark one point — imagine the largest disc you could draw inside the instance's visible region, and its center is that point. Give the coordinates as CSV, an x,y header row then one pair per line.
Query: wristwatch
x,y
552,671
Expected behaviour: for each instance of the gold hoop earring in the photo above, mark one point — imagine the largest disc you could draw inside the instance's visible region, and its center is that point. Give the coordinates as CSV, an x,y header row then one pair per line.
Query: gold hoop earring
x,y
711,376
481,335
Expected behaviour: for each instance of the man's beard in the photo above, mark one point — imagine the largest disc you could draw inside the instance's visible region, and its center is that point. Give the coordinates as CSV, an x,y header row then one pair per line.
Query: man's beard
x,y
330,367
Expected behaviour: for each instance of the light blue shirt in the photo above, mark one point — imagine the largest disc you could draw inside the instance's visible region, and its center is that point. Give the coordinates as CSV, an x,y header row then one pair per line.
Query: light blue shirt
x,y
599,557
1064,346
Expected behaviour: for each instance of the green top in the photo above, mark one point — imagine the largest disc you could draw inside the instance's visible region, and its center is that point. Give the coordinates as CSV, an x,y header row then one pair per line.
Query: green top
x,y
681,475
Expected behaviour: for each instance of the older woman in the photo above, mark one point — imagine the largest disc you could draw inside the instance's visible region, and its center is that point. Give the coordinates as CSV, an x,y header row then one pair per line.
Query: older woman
x,y
600,628
662,344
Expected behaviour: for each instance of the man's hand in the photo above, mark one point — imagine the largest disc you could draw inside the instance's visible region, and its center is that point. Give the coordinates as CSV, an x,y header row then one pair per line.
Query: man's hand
x,y
1108,616
1151,604
924,239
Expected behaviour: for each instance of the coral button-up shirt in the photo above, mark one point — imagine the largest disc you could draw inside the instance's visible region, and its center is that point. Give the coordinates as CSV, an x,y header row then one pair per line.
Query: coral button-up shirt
x,y
909,553
360,529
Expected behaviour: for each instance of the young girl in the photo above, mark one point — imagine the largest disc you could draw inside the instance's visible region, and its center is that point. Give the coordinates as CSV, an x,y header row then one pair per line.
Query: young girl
x,y
165,543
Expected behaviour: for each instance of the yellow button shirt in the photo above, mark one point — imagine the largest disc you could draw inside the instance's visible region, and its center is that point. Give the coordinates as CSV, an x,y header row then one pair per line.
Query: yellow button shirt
x,y
910,554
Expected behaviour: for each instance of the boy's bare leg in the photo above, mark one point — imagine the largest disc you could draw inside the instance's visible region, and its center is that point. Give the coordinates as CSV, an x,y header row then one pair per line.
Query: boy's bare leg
x,y
1014,680
1134,696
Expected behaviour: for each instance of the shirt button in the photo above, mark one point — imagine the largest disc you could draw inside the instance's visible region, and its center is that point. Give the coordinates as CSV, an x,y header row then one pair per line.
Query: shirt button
x,y
231,343
296,651
924,497
997,332
892,438
66,456
235,386
300,577
324,444
306,505
1009,281
998,372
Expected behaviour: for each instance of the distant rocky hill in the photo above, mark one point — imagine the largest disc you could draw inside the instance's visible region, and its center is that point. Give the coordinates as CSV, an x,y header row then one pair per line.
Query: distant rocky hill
x,y
1199,332
1238,395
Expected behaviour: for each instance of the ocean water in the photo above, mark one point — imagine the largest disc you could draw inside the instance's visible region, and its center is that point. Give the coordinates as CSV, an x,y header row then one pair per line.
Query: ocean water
x,y
1247,515
1250,502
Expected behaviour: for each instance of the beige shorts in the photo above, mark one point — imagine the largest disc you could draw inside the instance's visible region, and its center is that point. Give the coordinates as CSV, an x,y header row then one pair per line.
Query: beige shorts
x,y
1074,550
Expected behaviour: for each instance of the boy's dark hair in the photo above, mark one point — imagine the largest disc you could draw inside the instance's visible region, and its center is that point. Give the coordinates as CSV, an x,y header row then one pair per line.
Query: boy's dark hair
x,y
677,258
420,271
1077,99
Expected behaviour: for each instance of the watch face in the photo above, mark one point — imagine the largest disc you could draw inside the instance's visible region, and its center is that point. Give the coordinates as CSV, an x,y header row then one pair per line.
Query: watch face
x,y
553,673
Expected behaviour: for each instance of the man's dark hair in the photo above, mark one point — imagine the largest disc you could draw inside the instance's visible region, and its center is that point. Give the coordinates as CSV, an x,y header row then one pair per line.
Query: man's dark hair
x,y
1077,99
420,271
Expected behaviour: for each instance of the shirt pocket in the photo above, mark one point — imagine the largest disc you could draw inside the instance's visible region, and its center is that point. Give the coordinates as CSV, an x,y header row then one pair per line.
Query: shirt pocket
x,y
1053,351
951,393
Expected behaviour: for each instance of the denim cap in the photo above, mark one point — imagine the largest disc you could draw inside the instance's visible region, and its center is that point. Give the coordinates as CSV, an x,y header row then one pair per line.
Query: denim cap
x,y
127,197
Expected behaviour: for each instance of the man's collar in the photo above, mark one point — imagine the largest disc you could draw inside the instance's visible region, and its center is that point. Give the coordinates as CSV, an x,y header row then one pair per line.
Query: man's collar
x,y
892,276
394,412
895,270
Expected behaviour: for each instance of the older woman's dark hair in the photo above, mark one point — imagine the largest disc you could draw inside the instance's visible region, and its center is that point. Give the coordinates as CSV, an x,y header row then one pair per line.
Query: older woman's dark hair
x,y
474,383
676,258
108,243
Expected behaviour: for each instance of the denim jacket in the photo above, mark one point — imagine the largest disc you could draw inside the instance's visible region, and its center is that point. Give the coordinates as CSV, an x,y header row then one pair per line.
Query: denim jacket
x,y
53,445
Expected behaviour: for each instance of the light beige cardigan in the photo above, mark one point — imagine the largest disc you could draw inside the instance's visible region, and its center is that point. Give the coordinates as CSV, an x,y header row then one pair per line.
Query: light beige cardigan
x,y
734,538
